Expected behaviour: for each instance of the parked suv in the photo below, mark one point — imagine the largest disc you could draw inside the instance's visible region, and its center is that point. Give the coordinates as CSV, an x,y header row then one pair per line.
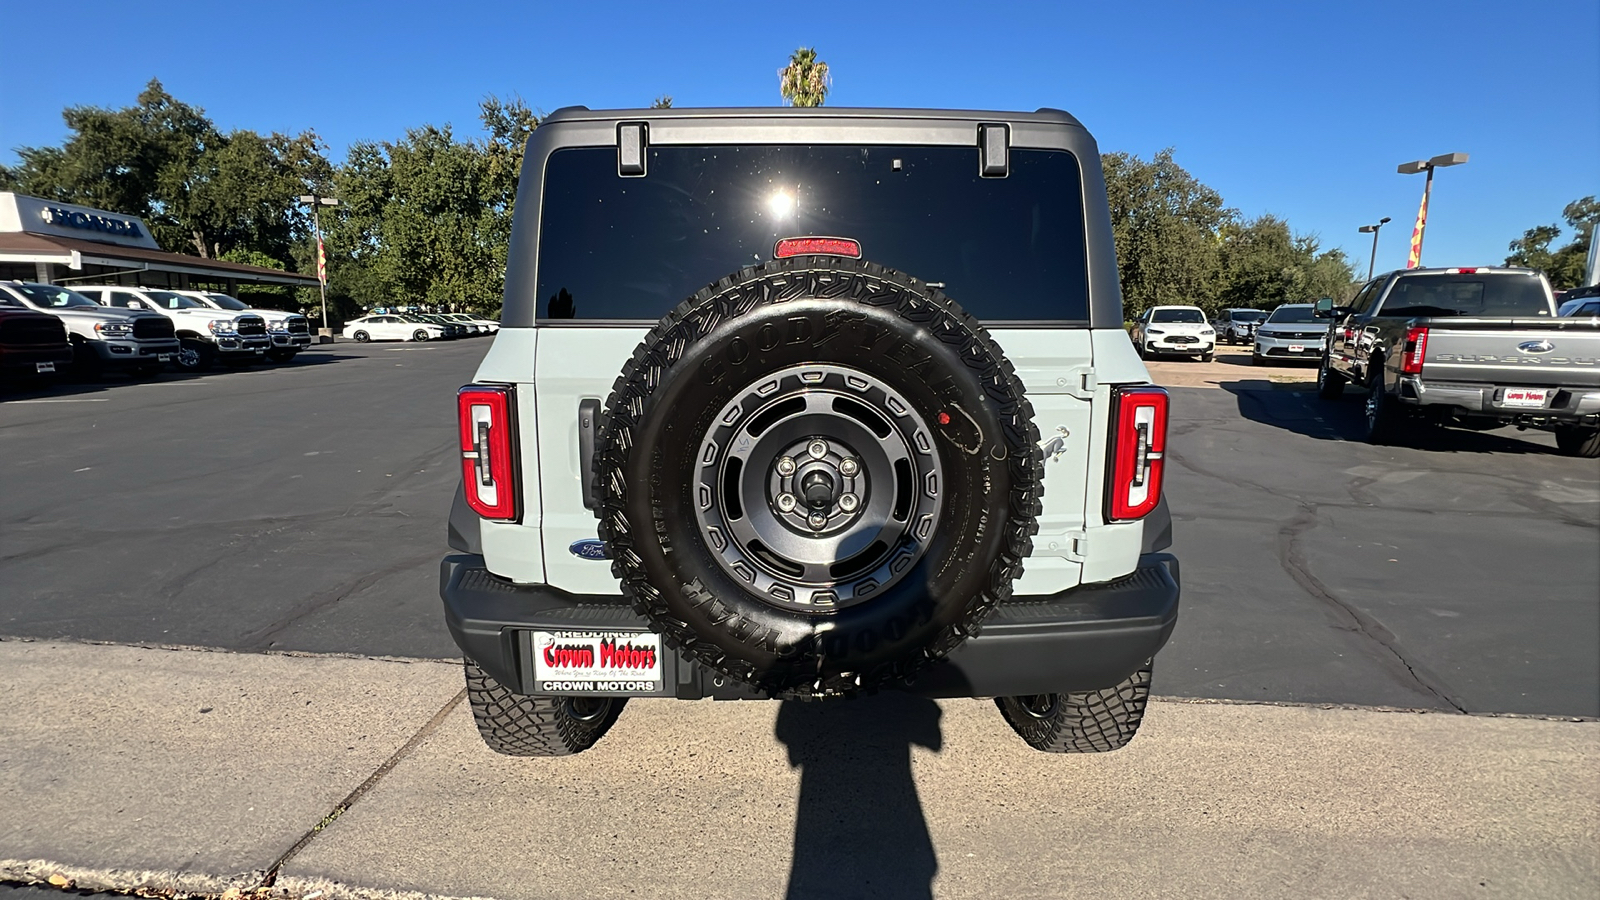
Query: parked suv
x,y
141,343
1174,330
796,363
289,332
205,335
1292,332
1239,325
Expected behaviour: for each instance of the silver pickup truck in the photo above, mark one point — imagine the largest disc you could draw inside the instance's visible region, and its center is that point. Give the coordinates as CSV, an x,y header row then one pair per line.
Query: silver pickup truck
x,y
1472,348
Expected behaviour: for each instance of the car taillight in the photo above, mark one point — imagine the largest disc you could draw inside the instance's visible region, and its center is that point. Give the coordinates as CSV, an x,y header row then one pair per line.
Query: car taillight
x,y
488,450
1138,448
1416,346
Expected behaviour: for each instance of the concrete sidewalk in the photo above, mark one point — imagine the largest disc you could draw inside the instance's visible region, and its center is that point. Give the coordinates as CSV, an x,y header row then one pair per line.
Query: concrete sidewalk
x,y
125,767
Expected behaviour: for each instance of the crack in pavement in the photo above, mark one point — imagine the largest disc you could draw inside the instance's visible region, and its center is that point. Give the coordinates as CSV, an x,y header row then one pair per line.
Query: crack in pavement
x,y
261,637
1294,563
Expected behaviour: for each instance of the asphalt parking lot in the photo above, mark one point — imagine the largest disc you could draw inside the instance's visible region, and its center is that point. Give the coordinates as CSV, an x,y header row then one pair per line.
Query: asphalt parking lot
x,y
302,508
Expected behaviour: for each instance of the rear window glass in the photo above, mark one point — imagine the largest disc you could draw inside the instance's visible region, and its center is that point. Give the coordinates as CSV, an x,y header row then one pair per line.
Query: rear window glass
x,y
1179,316
1486,294
631,248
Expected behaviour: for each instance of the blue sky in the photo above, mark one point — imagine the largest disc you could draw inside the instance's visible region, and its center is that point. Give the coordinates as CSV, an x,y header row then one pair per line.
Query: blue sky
x,y
1301,110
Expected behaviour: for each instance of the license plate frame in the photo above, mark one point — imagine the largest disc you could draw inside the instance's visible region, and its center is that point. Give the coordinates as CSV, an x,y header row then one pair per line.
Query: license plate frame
x,y
166,357
1297,348
1525,398
597,663
44,368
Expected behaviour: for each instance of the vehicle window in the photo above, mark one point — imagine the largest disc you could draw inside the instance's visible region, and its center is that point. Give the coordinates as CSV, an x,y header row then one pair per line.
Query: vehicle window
x,y
169,300
1178,316
1247,315
1592,308
1466,294
1363,302
121,298
630,248
226,302
53,297
1295,315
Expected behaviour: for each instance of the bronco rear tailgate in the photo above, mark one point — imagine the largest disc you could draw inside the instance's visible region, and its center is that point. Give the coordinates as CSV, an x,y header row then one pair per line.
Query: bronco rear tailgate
x,y
1537,351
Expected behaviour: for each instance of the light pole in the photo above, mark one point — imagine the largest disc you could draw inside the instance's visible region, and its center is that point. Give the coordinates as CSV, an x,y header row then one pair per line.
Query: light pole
x,y
1412,168
316,203
1373,230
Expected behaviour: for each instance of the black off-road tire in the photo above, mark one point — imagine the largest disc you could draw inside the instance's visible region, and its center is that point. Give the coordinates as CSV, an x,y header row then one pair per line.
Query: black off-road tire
x,y
796,313
1575,440
519,725
1383,420
1330,384
1088,722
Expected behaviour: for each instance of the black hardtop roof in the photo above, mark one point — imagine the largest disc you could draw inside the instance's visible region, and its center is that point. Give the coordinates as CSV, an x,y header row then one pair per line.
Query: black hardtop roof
x,y
1042,116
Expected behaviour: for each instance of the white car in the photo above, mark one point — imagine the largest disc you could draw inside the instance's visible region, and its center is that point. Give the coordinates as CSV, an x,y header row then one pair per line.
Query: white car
x,y
1176,330
391,328
205,335
481,325
290,332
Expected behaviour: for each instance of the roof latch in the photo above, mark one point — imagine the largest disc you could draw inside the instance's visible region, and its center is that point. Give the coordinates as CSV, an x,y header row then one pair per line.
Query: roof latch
x,y
994,150
630,149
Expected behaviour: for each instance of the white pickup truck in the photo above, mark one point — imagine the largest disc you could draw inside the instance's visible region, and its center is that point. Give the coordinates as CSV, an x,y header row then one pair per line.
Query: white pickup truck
x,y
140,343
290,332
205,335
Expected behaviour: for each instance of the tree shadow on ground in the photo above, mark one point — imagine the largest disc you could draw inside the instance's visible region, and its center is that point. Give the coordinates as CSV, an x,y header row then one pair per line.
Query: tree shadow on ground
x,y
860,830
1297,408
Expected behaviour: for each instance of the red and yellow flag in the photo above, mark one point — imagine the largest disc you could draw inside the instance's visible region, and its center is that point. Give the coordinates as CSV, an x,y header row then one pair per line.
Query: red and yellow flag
x,y
1415,259
322,262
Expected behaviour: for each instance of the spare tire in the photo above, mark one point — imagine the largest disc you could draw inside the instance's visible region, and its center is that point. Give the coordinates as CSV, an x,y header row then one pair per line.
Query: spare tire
x,y
816,476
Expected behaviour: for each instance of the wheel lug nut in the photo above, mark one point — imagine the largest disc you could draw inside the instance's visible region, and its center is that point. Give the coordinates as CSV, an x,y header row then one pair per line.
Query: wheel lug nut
x,y
849,502
786,466
818,449
786,502
817,520
848,467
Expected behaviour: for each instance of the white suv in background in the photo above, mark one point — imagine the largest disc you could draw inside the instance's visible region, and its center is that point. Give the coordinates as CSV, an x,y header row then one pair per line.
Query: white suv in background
x,y
1175,330
290,332
205,335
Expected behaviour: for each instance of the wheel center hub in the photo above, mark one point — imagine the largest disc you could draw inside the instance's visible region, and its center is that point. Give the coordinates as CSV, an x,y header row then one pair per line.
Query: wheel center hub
x,y
817,484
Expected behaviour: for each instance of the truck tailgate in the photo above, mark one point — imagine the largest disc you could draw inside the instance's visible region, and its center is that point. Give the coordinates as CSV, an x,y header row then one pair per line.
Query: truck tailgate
x,y
1539,352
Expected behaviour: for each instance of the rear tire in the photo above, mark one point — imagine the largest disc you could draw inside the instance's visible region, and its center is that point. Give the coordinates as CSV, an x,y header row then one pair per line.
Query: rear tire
x,y
519,725
419,335
1330,384
1575,440
1087,722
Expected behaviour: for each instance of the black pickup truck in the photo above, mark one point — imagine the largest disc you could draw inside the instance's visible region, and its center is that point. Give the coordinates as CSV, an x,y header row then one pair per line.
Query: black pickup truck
x,y
1475,348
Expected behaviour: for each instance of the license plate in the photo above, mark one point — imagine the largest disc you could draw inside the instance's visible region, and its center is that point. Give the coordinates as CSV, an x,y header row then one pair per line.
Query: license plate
x,y
261,353
44,367
165,357
1297,348
1524,397
595,662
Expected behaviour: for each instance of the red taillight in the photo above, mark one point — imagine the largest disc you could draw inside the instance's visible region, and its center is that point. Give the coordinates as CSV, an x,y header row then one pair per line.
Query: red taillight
x,y
1416,346
487,428
824,246
1138,450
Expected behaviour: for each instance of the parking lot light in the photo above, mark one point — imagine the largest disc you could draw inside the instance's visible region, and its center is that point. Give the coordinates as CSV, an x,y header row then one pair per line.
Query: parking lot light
x,y
1373,230
1411,168
315,202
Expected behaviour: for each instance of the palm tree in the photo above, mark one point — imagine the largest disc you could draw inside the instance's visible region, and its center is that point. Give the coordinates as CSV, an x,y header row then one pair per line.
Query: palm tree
x,y
805,81
662,102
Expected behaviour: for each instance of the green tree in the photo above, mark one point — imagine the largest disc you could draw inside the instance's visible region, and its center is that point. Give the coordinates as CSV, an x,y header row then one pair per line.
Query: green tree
x,y
1165,224
805,81
1563,266
1265,264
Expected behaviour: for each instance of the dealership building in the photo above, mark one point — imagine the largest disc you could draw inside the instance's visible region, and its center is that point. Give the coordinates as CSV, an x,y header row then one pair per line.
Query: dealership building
x,y
62,243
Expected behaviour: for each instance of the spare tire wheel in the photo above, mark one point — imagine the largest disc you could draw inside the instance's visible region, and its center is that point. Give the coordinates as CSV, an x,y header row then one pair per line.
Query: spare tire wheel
x,y
816,476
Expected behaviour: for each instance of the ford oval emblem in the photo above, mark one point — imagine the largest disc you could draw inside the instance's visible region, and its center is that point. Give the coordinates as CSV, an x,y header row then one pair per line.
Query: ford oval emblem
x,y
1536,346
589,549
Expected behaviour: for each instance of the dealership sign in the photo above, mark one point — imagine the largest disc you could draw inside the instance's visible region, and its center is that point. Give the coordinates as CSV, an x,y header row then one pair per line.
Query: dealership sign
x,y
50,218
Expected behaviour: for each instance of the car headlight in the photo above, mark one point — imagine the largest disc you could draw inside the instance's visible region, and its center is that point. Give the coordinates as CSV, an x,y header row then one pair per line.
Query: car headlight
x,y
221,326
279,327
114,329
1154,331
1208,331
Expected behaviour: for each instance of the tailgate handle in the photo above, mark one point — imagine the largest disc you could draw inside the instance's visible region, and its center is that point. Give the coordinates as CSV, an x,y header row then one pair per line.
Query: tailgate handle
x,y
588,425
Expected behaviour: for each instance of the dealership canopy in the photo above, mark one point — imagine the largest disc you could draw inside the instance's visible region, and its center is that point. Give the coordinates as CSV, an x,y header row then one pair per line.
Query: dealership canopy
x,y
62,243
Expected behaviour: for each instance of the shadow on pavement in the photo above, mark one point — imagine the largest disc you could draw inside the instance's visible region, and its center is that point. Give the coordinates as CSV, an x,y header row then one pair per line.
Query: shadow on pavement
x,y
1297,408
69,385
860,830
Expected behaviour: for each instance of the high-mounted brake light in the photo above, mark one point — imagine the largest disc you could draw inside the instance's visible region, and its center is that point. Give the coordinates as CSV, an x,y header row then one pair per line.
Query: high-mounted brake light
x,y
821,246
1462,271
1416,346
1138,451
488,449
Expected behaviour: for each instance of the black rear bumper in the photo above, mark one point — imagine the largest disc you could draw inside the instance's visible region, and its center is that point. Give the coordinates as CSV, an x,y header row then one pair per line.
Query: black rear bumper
x,y
1082,639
